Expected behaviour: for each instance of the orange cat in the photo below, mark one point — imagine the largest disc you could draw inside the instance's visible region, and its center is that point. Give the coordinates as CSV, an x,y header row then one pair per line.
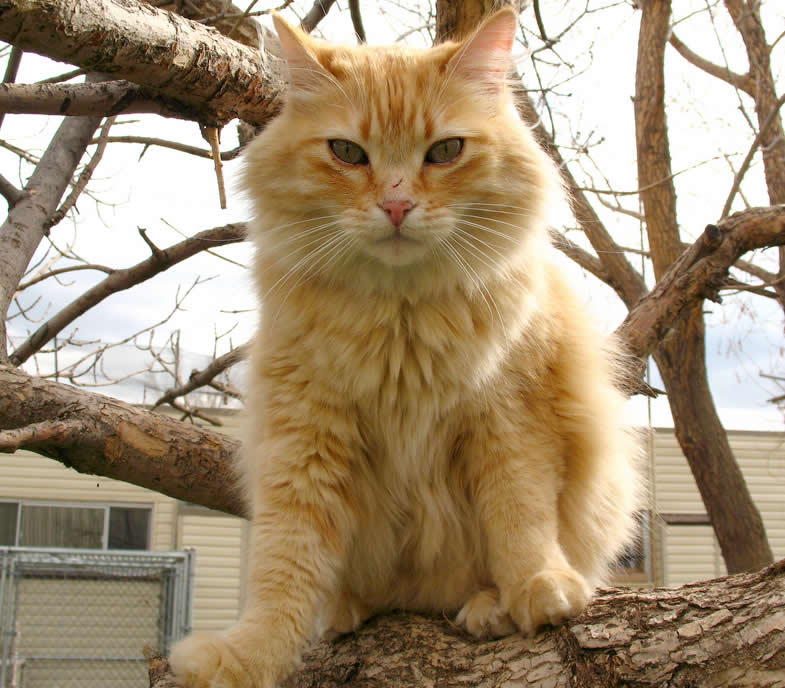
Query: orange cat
x,y
434,420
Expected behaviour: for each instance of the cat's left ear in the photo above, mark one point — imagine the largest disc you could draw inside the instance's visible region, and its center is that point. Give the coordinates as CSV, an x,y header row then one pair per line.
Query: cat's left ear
x,y
305,71
485,56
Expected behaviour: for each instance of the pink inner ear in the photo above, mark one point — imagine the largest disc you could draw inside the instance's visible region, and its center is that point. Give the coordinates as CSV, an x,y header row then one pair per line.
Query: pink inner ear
x,y
486,55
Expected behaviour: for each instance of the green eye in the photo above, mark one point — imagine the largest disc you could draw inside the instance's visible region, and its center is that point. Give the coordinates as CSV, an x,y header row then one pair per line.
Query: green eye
x,y
444,151
348,151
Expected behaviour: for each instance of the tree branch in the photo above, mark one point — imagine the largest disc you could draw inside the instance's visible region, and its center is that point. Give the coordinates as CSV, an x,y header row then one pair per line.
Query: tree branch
x,y
698,273
357,20
728,631
103,99
120,280
118,440
206,76
316,14
200,378
25,224
741,81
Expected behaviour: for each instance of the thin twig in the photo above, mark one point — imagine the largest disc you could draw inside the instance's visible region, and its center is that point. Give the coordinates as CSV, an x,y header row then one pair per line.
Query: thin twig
x,y
750,154
212,134
84,177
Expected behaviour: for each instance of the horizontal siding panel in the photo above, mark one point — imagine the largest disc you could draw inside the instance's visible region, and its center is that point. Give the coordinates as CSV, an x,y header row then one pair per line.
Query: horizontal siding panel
x,y
761,457
217,540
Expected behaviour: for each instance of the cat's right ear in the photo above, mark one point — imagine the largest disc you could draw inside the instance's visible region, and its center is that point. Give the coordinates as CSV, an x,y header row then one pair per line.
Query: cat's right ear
x,y
305,71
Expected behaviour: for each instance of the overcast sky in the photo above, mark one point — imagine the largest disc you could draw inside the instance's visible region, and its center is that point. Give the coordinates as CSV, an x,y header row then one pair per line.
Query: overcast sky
x,y
167,187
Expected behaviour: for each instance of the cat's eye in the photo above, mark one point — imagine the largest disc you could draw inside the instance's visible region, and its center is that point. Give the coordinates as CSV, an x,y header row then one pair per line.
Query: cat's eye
x,y
444,151
348,152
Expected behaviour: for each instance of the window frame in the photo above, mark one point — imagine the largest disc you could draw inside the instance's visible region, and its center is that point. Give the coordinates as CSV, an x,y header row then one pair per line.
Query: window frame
x,y
106,506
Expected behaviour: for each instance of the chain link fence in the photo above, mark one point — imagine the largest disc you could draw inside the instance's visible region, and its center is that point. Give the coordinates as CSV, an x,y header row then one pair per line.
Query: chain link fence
x,y
80,618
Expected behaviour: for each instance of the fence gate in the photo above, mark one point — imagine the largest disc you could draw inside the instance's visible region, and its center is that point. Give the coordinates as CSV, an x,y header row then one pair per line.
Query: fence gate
x,y
80,618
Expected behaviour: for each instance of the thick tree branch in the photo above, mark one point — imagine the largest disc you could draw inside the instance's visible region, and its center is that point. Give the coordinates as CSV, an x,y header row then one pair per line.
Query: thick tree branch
x,y
726,632
92,99
698,273
207,76
25,224
120,280
117,440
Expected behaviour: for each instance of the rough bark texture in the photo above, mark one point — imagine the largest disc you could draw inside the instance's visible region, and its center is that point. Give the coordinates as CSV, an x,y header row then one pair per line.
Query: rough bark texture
x,y
195,70
728,632
96,434
681,355
27,221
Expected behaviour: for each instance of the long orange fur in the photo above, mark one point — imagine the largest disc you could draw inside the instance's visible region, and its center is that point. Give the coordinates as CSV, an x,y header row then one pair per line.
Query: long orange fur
x,y
433,419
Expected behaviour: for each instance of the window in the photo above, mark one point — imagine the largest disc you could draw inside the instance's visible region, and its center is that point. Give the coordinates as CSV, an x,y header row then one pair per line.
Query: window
x,y
82,526
634,561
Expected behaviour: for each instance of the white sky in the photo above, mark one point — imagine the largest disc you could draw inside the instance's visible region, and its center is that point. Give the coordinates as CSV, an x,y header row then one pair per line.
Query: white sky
x,y
164,186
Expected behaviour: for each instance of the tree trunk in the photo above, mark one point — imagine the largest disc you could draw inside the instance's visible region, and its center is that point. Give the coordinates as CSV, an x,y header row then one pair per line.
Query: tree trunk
x,y
681,356
737,522
727,632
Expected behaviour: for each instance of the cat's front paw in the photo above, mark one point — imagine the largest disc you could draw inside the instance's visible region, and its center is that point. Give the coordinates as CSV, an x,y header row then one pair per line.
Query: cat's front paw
x,y
210,661
483,615
551,597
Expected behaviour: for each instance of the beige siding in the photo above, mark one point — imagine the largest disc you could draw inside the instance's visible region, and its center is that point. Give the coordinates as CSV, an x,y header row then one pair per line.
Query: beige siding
x,y
25,475
219,544
690,552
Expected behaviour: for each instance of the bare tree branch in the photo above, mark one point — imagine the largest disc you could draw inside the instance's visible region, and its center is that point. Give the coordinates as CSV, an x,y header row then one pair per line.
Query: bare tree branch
x,y
174,145
582,257
698,273
741,81
316,14
120,280
200,378
748,158
11,70
10,192
119,440
87,99
357,20
182,60
25,224
84,177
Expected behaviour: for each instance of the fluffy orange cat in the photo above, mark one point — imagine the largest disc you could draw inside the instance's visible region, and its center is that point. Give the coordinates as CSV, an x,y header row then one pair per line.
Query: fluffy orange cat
x,y
434,420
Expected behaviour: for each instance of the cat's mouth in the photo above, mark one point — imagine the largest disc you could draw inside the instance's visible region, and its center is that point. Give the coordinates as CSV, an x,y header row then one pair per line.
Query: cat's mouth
x,y
396,248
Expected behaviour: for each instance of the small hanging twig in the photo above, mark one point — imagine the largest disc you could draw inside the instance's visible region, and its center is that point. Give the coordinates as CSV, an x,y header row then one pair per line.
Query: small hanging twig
x,y
212,135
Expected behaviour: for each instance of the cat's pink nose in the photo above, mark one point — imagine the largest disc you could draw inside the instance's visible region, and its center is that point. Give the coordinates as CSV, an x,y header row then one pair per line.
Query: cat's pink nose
x,y
396,210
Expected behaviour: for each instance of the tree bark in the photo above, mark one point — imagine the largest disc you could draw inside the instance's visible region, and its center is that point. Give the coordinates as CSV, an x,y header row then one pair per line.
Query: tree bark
x,y
95,434
195,70
681,355
727,632
26,223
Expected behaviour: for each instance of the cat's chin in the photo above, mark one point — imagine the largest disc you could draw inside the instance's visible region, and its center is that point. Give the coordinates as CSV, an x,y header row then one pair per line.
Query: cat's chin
x,y
397,250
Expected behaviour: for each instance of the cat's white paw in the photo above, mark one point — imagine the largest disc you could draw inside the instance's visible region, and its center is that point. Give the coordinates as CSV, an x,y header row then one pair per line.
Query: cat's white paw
x,y
483,616
551,597
214,661
207,661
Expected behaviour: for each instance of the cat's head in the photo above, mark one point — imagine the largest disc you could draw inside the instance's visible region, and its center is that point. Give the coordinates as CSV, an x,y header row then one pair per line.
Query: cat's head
x,y
393,162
